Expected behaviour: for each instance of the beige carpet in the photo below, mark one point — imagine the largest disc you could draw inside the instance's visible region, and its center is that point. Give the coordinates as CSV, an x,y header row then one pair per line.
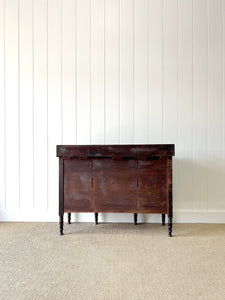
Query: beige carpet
x,y
112,261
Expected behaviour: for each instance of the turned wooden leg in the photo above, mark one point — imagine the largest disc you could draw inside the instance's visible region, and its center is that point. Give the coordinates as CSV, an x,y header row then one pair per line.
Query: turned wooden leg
x,y
135,219
170,220
61,224
69,218
163,219
96,218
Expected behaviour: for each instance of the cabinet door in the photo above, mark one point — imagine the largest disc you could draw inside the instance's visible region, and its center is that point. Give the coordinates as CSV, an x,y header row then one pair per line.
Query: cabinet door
x,y
152,186
115,185
78,185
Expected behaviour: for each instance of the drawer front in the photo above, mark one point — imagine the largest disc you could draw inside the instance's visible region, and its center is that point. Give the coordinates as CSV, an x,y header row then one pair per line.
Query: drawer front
x,y
115,190
152,190
78,185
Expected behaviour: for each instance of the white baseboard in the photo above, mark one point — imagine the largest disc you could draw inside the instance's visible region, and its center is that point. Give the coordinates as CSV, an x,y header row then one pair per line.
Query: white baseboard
x,y
21,215
50,216
199,217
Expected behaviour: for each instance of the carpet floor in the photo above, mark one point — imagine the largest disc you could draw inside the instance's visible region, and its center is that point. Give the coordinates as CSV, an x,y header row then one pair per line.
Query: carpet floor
x,y
112,261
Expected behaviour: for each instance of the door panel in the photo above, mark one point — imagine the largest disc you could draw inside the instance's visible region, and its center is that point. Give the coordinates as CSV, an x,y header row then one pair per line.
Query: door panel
x,y
152,190
115,190
78,185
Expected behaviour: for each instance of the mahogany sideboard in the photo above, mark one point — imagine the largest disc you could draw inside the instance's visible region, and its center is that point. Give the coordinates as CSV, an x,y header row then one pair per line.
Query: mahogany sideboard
x,y
116,178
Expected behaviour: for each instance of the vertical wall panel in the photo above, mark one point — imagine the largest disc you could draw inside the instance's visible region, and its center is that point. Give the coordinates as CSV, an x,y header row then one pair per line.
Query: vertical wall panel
x,y
126,72
185,109
214,116
12,104
112,86
223,100
170,72
40,105
97,72
200,67
26,102
155,70
2,105
170,84
69,72
54,98
140,71
83,71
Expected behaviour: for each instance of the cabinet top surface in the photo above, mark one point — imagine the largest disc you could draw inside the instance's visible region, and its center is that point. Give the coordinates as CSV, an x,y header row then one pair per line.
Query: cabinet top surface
x,y
115,150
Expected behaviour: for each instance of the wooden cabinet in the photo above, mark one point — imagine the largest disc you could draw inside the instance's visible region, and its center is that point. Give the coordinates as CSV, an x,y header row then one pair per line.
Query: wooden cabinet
x,y
116,178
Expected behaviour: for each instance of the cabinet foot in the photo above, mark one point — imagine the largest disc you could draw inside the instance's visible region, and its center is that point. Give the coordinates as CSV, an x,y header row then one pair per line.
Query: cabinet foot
x,y
96,218
170,221
163,219
69,218
61,224
135,219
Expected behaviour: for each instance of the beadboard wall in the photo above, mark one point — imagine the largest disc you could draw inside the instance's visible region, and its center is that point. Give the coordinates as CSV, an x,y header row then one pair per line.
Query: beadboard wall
x,y
111,72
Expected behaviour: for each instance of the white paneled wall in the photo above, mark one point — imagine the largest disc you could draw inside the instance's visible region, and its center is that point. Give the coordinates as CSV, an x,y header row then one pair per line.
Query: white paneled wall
x,y
111,72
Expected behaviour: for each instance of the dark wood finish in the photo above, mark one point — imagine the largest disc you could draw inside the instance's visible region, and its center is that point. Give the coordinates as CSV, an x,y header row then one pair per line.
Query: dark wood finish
x,y
69,218
135,219
96,218
170,195
116,178
78,185
84,151
163,219
152,184
61,193
61,225
169,226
